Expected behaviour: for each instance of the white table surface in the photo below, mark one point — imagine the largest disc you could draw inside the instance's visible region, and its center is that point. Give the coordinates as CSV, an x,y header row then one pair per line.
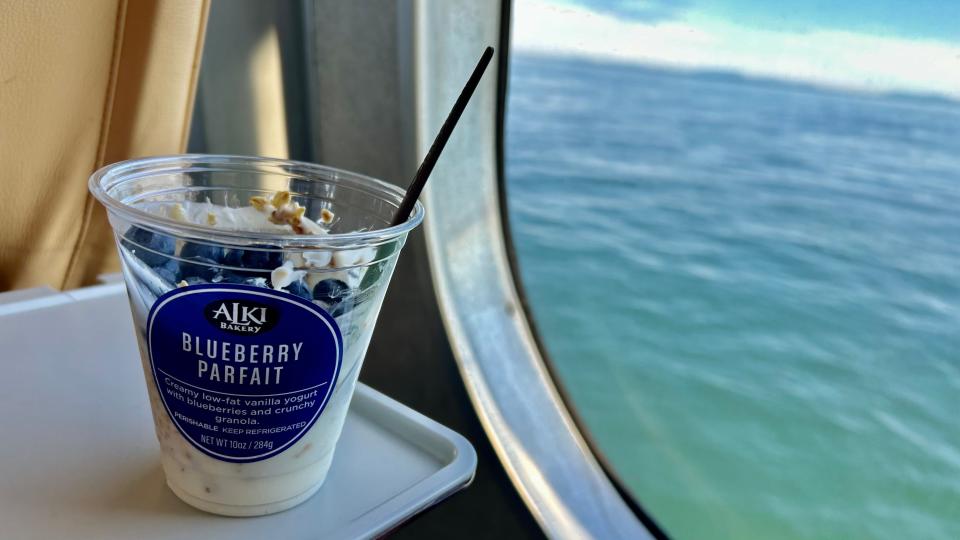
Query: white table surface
x,y
79,459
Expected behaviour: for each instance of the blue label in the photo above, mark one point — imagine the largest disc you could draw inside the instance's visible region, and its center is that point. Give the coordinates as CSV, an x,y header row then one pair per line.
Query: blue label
x,y
243,371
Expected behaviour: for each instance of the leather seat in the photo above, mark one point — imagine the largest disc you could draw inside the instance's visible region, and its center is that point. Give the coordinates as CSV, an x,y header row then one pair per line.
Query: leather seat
x,y
83,84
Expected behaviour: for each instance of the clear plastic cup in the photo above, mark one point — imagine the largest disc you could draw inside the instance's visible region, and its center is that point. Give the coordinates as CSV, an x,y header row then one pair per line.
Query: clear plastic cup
x,y
243,432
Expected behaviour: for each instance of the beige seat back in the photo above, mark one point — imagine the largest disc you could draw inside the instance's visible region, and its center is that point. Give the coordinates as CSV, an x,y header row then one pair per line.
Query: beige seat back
x,y
83,84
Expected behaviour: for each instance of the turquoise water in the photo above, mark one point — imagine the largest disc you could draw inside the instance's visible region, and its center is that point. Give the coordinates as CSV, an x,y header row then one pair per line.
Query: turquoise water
x,y
752,292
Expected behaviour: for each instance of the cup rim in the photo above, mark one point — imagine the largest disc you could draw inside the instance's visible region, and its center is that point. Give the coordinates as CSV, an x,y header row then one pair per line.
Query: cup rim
x,y
108,176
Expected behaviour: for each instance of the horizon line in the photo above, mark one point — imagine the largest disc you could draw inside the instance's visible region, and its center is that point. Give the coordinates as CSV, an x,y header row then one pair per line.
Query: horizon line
x,y
912,94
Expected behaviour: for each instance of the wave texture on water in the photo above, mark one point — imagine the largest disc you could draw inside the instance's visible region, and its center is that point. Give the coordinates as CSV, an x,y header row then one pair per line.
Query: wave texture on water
x,y
751,291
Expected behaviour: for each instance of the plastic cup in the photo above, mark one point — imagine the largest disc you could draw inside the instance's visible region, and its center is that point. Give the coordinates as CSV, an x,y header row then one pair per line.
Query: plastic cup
x,y
250,385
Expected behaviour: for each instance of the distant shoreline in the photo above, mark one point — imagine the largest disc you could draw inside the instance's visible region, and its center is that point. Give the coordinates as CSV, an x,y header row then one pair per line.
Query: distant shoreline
x,y
730,77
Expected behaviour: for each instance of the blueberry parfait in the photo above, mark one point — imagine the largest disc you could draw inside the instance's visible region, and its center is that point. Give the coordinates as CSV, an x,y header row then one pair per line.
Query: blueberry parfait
x,y
347,283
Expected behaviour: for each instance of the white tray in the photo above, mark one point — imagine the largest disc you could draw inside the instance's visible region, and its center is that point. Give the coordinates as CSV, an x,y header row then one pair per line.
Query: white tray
x,y
79,459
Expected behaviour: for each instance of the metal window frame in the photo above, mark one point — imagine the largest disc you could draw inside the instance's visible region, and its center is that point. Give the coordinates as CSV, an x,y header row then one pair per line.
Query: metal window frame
x,y
513,390
503,77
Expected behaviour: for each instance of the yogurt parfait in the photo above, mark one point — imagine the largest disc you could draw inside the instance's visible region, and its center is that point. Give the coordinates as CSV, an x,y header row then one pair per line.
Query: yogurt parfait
x,y
255,286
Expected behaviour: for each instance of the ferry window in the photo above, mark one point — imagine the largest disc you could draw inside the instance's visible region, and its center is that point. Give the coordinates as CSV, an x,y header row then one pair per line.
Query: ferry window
x,y
735,223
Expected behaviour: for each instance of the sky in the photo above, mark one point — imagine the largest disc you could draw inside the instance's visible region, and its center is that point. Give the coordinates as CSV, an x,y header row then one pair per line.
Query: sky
x,y
870,45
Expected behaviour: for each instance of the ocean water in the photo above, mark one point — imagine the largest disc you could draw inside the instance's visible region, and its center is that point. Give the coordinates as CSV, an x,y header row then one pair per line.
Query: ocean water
x,y
751,291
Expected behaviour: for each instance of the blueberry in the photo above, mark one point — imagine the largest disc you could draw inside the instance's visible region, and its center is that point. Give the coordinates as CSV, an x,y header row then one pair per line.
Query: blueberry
x,y
342,307
330,291
254,259
335,295
199,267
151,248
299,289
169,271
204,251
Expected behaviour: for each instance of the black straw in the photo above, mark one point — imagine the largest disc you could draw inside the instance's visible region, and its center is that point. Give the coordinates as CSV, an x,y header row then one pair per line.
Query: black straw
x,y
416,186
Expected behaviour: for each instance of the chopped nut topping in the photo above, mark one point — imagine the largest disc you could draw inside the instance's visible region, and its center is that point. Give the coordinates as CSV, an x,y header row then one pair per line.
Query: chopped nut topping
x,y
287,212
281,199
326,216
283,210
260,203
178,213
183,283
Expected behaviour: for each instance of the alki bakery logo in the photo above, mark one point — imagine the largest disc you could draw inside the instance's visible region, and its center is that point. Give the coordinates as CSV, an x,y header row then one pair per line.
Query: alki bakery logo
x,y
239,316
